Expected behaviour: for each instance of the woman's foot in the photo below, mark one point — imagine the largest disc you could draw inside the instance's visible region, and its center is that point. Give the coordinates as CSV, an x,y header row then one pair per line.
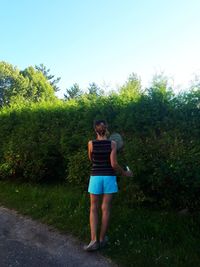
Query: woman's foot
x,y
104,242
92,246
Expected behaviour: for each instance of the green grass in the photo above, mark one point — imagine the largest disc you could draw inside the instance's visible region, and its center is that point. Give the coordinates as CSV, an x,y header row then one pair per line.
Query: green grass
x,y
141,237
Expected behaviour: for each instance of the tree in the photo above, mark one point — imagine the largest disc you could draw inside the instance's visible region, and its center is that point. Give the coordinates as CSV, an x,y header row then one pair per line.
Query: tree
x,y
73,92
95,90
192,96
132,87
46,72
21,86
12,83
160,88
39,88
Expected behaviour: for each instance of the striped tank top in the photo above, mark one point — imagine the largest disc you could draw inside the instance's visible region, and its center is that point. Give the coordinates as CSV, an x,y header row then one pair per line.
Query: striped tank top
x,y
101,158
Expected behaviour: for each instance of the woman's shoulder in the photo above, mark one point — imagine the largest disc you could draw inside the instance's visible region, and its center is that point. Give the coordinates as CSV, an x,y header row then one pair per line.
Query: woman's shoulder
x,y
113,144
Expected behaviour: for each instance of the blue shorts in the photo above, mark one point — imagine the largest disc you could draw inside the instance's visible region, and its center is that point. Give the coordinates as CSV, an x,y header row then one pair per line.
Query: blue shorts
x,y
103,185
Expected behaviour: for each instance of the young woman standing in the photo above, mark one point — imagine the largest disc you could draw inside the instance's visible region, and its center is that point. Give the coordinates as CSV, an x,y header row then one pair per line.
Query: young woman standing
x,y
103,154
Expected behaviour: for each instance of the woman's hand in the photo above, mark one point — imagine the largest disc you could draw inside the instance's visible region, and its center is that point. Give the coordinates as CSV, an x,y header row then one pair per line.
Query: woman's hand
x,y
128,173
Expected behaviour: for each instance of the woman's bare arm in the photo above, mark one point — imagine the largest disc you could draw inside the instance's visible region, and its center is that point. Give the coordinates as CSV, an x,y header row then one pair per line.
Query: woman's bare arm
x,y
90,150
114,163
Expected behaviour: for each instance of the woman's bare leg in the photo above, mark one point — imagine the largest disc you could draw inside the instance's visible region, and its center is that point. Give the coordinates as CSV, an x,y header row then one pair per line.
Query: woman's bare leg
x,y
94,205
105,207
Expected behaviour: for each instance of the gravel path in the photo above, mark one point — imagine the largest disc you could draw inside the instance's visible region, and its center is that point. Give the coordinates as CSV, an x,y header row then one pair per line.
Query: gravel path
x,y
27,243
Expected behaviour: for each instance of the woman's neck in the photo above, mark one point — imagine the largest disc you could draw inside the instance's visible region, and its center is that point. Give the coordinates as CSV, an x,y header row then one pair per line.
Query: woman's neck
x,y
101,137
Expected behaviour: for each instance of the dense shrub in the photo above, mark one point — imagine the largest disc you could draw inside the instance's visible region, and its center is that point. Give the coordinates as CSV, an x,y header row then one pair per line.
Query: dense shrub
x,y
48,142
79,168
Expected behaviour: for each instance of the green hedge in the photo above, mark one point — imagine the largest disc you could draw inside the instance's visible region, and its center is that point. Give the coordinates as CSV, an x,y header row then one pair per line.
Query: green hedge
x,y
48,143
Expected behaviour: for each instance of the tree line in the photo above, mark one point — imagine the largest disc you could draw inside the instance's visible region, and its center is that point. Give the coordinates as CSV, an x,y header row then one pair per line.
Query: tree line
x,y
36,84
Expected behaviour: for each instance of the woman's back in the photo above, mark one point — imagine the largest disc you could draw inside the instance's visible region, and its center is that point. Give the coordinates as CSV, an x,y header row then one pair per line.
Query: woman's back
x,y
101,165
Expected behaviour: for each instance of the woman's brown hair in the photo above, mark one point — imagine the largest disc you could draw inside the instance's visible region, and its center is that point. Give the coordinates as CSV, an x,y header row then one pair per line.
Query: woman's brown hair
x,y
100,127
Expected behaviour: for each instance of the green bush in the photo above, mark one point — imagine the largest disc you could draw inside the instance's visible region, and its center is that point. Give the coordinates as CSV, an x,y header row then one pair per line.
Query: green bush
x,y
47,142
79,168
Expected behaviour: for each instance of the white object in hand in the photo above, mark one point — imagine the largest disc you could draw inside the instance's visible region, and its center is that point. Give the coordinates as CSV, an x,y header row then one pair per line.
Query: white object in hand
x,y
127,168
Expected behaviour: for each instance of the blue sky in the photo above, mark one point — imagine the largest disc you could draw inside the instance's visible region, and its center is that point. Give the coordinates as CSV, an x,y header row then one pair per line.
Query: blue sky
x,y
103,41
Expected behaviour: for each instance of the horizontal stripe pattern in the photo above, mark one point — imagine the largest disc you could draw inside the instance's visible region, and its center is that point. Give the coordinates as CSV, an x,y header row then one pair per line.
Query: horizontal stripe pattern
x,y
101,158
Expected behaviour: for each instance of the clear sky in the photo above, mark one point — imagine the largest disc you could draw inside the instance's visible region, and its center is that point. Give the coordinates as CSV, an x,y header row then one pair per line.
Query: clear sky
x,y
103,41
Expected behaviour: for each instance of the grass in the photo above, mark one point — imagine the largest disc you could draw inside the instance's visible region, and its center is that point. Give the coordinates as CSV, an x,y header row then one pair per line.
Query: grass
x,y
141,237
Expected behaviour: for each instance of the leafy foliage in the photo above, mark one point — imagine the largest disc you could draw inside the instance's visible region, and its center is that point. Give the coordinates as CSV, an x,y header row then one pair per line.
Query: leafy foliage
x,y
12,84
38,89
78,168
95,90
132,89
45,142
73,92
46,72
18,86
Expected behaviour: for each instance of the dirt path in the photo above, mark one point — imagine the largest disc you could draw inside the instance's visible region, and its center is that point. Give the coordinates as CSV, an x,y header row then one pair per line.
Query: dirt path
x,y
27,243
